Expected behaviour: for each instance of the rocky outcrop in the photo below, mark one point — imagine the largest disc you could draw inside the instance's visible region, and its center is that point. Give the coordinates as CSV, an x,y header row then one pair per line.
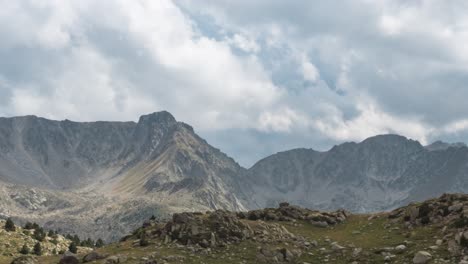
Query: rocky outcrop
x,y
214,229
287,212
221,228
449,212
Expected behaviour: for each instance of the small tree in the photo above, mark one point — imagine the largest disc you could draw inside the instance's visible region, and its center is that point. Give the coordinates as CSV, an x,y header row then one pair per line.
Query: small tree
x,y
54,251
99,243
143,241
50,233
10,226
28,226
39,234
35,226
24,250
153,217
76,239
38,249
72,248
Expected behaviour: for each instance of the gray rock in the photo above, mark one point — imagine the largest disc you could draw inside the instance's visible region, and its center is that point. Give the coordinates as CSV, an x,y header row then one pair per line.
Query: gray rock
x,y
24,260
422,257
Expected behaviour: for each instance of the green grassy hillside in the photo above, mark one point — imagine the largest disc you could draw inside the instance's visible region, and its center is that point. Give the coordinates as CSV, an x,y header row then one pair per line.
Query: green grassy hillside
x,y
429,232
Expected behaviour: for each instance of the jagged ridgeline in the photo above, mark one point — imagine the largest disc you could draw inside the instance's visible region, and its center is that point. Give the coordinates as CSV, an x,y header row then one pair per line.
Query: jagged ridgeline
x,y
101,179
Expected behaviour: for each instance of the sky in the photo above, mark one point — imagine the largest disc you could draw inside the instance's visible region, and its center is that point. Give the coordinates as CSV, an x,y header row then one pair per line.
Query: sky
x,y
252,77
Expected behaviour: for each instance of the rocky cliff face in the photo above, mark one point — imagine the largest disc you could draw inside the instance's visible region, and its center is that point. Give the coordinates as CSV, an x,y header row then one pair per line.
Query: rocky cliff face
x,y
379,173
106,171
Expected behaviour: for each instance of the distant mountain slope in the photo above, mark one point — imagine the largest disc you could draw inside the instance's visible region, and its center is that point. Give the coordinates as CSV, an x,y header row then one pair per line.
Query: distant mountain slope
x,y
379,173
156,162
93,177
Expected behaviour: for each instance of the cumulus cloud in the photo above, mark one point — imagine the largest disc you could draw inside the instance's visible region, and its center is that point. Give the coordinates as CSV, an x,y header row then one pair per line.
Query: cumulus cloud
x,y
267,75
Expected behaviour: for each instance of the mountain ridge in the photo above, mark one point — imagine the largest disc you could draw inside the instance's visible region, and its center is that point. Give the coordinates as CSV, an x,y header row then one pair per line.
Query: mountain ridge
x,y
159,165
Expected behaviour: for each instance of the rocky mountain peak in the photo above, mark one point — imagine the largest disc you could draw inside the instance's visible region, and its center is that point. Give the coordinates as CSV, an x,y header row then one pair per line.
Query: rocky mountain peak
x,y
440,145
391,140
160,118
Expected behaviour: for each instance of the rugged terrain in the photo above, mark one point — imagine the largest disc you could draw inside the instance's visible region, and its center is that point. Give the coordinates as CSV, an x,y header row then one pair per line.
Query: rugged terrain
x,y
100,179
93,177
380,173
433,231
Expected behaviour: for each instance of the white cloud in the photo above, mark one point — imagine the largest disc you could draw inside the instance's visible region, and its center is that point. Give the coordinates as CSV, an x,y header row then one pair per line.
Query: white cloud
x,y
306,70
309,71
205,83
244,43
282,120
370,121
390,25
85,89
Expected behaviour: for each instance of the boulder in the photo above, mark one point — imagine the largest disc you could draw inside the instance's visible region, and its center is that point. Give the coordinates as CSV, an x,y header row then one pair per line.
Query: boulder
x,y
422,257
400,248
92,257
336,247
24,260
69,260
116,259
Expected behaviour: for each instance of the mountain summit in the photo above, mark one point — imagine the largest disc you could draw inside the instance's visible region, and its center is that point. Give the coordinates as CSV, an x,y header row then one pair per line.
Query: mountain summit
x,y
380,173
90,177
157,162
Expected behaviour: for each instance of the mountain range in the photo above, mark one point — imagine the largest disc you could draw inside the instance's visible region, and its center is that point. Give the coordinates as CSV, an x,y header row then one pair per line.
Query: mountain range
x,y
92,177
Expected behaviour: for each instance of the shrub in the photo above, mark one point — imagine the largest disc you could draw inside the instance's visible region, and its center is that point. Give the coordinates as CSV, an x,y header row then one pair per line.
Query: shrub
x,y
99,243
38,249
72,248
424,210
39,234
143,241
24,250
425,220
28,226
10,226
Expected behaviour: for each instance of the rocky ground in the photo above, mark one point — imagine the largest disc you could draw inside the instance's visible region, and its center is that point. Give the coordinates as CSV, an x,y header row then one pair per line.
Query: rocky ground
x,y
12,241
435,231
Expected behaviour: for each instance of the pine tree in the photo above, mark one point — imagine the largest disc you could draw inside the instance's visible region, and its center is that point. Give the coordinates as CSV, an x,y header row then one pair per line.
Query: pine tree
x,y
54,251
10,226
72,248
143,241
38,249
24,250
153,217
76,239
39,234
50,233
28,226
99,243
35,226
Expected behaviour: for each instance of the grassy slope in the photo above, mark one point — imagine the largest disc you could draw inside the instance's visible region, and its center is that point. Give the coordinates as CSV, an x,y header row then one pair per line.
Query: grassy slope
x,y
358,230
